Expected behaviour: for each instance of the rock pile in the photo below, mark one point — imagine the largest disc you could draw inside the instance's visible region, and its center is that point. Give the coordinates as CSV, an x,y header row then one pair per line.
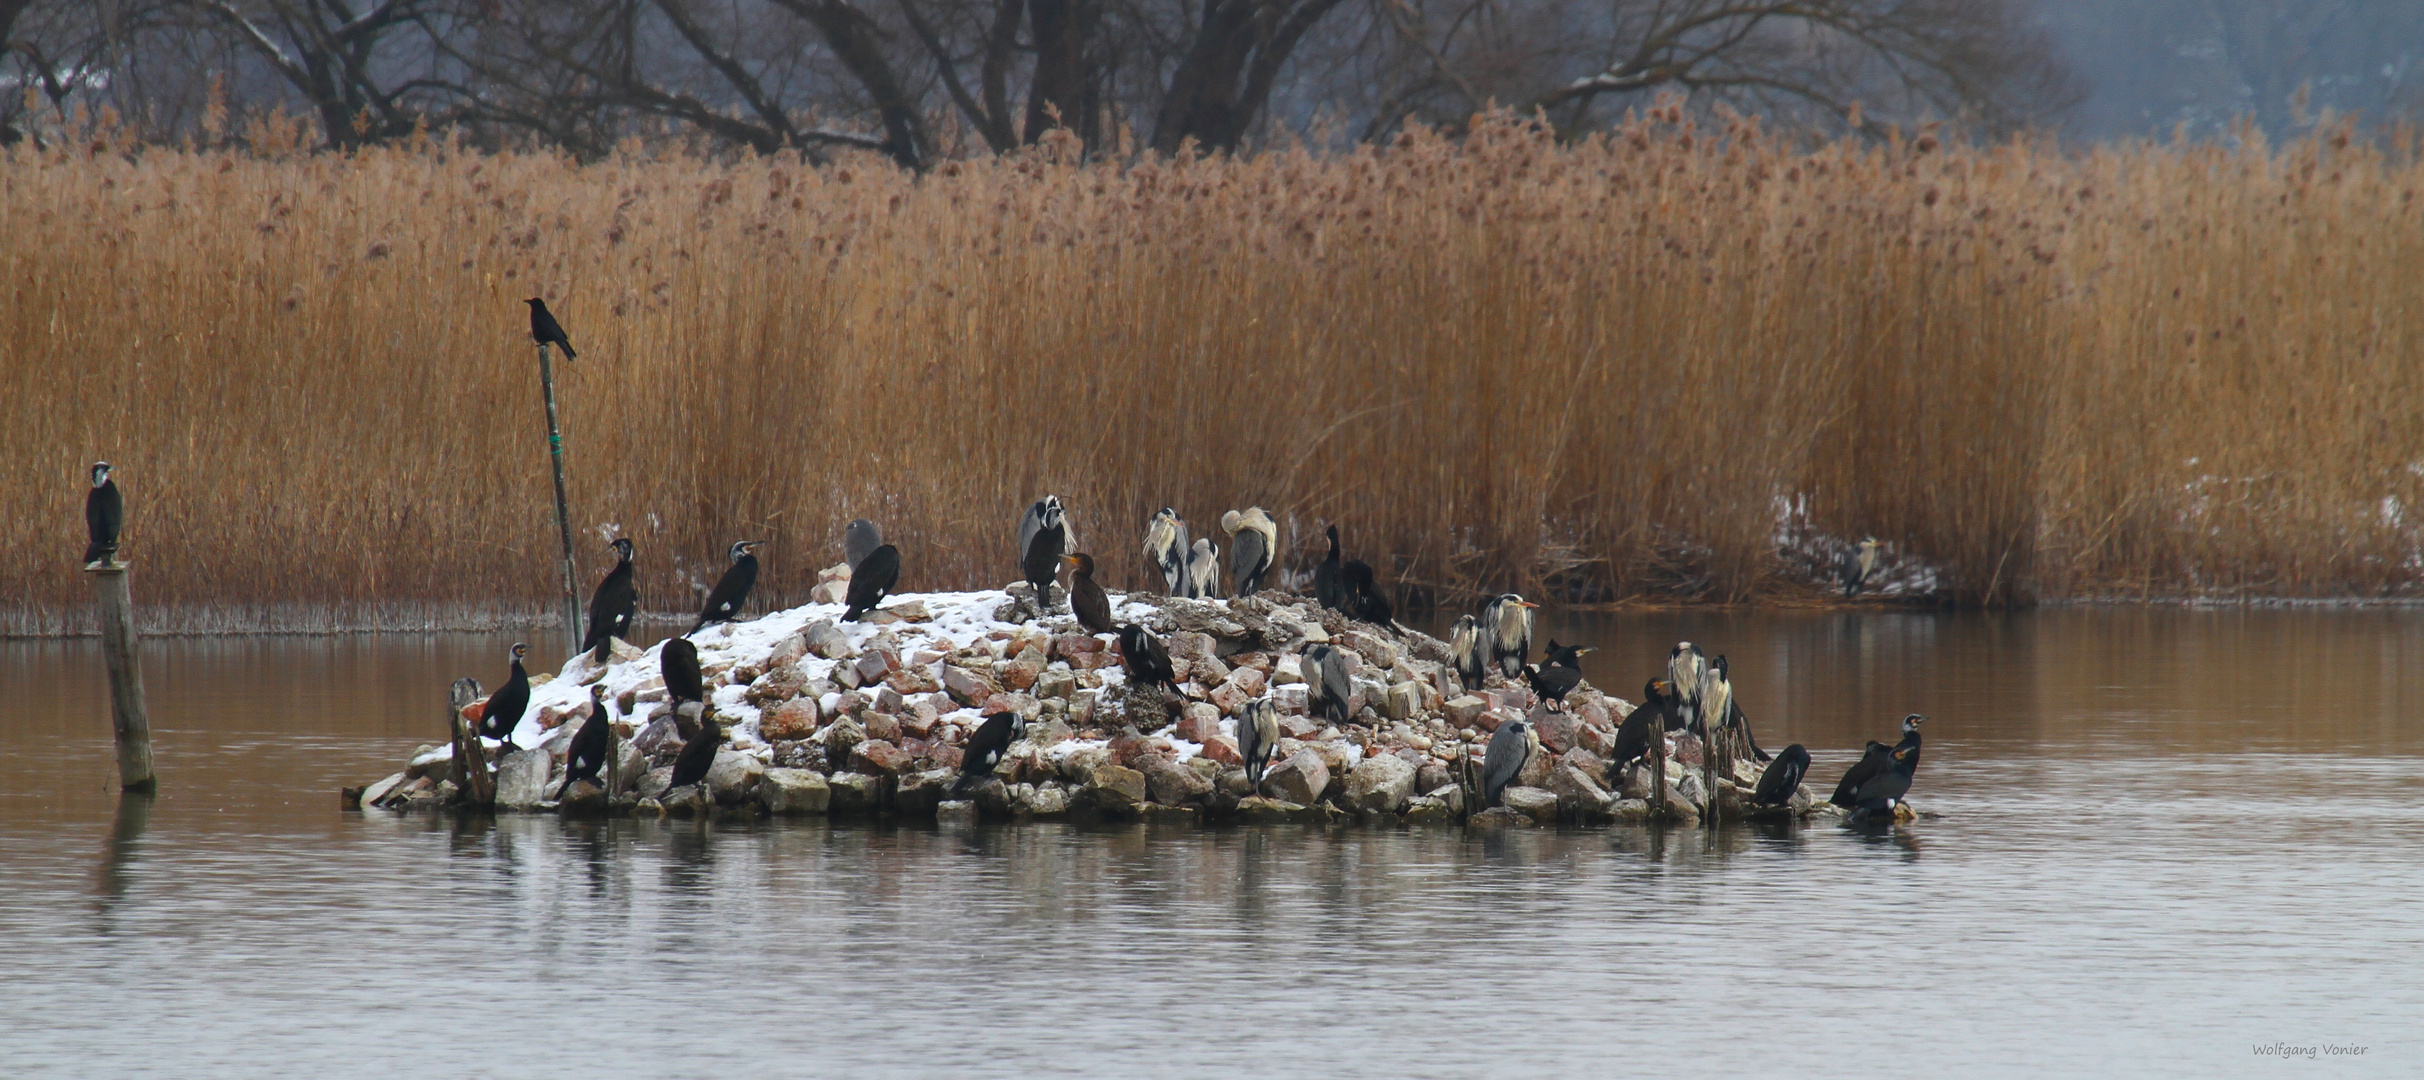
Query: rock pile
x,y
871,717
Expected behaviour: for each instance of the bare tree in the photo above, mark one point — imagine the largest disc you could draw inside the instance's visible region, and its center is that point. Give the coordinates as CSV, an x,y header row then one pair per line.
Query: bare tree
x,y
358,66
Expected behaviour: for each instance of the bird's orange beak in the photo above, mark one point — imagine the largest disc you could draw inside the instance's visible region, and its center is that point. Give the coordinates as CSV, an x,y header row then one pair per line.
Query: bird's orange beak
x,y
1527,603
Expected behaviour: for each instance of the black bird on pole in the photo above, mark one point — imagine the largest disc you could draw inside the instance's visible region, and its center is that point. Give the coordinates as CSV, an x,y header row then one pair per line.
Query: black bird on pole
x,y
732,591
587,754
504,710
546,331
612,606
1651,719
871,581
1087,600
104,516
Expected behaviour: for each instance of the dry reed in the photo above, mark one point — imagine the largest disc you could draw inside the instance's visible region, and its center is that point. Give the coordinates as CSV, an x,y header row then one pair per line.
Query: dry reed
x,y
1597,369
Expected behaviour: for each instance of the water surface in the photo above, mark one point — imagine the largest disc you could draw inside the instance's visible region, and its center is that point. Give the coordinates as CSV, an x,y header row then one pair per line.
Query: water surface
x,y
2165,838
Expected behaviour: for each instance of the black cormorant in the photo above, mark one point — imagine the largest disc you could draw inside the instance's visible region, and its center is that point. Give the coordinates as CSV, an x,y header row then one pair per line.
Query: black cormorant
x,y
1328,691
1203,570
1511,748
1258,738
1043,537
872,581
1650,719
1087,600
613,605
1166,550
104,516
1506,627
504,710
986,747
1892,780
1145,658
546,331
1465,651
860,538
731,592
1857,565
587,754
1872,761
1782,778
1252,540
680,662
1329,581
1365,599
1552,682
697,756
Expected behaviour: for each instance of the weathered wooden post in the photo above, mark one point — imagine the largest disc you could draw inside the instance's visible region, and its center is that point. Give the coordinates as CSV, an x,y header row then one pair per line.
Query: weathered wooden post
x,y
129,719
1659,807
1708,765
555,454
474,784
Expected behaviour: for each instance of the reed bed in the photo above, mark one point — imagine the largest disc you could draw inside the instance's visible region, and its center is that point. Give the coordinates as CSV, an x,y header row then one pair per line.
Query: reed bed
x,y
1599,370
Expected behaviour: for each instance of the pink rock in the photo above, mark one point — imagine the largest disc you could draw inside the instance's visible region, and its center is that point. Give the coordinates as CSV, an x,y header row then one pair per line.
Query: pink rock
x,y
1249,681
1200,722
1222,749
879,758
883,726
794,719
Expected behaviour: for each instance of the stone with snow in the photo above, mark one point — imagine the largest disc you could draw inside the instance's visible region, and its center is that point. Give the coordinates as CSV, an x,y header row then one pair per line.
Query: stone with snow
x,y
793,719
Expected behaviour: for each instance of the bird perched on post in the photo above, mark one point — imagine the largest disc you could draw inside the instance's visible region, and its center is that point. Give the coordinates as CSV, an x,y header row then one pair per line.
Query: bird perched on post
x,y
1857,565
731,592
697,756
860,538
1145,658
104,517
1511,748
1258,738
986,748
1782,778
587,754
1878,760
1203,570
546,331
1252,539
1736,724
1506,626
871,581
1651,719
1466,652
504,710
1365,599
1043,537
1685,669
1087,600
612,606
1329,693
1329,579
1166,550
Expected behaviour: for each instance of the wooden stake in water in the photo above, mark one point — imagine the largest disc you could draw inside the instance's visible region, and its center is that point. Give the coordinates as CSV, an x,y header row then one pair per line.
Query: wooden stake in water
x,y
475,785
555,454
1658,760
128,718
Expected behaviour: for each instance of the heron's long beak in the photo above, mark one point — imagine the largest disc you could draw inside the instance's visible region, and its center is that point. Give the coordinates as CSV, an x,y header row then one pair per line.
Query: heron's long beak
x,y
1526,603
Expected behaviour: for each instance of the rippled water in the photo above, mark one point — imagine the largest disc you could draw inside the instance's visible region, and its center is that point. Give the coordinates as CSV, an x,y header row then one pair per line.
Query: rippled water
x,y
2166,838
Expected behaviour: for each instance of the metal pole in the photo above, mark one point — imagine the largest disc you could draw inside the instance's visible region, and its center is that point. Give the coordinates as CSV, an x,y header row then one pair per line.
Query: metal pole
x,y
555,454
129,719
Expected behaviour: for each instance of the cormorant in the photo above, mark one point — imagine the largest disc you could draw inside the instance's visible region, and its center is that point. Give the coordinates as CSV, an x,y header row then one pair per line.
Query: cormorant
x,y
1511,748
1891,783
732,591
1328,691
1329,582
1087,600
1735,722
104,516
1556,655
1782,778
680,662
1686,667
697,756
860,538
1166,550
1145,658
1857,565
545,330
1465,649
1043,537
872,581
1258,738
1651,719
587,754
1252,539
1365,600
1506,626
612,606
504,710
1552,681
986,748
1877,760
1203,570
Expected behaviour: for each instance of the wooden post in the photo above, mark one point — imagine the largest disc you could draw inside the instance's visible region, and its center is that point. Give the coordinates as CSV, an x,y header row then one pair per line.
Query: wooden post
x,y
1658,760
555,454
1708,760
474,784
129,719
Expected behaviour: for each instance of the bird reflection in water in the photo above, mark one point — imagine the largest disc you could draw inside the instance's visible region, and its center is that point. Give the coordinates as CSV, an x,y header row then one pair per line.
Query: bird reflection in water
x,y
689,866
